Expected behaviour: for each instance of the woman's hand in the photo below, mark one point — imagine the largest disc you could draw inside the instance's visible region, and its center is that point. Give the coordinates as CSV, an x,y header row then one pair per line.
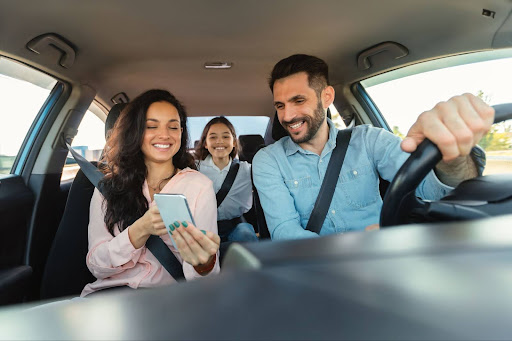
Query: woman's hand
x,y
196,247
150,223
153,222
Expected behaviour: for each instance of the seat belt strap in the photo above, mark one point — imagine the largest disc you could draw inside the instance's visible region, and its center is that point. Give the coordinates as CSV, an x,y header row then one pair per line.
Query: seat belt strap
x,y
323,201
228,181
91,172
165,256
155,244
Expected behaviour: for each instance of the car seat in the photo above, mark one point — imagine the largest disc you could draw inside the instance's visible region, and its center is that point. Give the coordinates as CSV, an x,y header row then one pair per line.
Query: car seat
x,y
249,145
66,272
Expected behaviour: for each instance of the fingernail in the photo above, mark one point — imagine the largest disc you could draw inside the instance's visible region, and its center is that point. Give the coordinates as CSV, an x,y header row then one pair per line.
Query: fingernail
x,y
176,224
184,223
203,231
171,227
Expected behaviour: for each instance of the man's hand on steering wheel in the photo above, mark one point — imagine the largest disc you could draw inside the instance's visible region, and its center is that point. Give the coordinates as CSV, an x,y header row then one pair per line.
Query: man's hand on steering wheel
x,y
454,126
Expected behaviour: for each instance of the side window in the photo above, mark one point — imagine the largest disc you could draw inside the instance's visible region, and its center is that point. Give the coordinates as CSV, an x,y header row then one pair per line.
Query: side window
x,y
405,95
23,92
88,142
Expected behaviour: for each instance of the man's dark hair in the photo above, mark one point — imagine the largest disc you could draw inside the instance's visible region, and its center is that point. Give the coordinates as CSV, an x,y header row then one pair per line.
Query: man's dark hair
x,y
316,69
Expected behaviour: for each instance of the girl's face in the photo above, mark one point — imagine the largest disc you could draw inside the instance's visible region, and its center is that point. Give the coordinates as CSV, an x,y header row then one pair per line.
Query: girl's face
x,y
162,137
219,141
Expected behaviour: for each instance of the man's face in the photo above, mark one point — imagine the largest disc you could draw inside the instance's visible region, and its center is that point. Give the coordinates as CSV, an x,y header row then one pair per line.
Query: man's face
x,y
299,109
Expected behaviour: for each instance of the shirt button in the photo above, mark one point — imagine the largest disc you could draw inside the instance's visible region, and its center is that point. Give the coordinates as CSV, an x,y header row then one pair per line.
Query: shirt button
x,y
333,211
296,183
354,172
321,161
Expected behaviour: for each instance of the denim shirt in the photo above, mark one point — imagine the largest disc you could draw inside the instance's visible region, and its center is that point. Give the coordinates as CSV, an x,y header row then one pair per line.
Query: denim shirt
x,y
288,179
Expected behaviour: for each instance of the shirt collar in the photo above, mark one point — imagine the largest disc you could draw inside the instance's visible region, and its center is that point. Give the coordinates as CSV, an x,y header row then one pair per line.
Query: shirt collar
x,y
291,147
209,162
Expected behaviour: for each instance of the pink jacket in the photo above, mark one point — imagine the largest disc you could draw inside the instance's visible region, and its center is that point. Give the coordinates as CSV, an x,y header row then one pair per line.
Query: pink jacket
x,y
115,262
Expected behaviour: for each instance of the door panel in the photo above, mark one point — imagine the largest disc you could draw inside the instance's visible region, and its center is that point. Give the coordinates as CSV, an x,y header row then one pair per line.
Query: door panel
x,y
16,201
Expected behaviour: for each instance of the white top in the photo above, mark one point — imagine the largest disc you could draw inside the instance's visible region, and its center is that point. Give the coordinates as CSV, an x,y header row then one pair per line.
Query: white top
x,y
239,198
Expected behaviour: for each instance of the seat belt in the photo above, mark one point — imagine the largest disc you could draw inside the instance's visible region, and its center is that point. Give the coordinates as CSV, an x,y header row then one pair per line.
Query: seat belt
x,y
228,181
155,244
323,201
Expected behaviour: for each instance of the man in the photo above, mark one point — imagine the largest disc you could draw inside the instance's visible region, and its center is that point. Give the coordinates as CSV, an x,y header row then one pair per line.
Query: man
x,y
288,174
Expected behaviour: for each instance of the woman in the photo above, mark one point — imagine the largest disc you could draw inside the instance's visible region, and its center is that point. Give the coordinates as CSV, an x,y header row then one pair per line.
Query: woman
x,y
216,152
146,155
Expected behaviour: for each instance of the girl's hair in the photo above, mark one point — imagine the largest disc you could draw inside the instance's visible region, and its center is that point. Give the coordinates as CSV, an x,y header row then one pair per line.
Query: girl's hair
x,y
123,162
201,152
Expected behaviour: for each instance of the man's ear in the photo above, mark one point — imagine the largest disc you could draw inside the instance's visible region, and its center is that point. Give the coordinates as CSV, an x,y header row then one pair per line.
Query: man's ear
x,y
327,96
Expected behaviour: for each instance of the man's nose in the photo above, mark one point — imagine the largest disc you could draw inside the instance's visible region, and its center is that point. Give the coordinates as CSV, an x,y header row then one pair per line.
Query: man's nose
x,y
287,114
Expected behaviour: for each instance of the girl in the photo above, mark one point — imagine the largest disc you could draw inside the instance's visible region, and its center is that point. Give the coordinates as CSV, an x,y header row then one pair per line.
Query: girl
x,y
146,154
216,153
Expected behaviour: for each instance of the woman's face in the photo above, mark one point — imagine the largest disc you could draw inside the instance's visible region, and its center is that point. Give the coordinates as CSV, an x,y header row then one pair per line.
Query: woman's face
x,y
219,141
162,137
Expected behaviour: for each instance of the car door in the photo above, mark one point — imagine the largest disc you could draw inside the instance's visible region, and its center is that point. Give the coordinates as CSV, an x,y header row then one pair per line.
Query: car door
x,y
27,98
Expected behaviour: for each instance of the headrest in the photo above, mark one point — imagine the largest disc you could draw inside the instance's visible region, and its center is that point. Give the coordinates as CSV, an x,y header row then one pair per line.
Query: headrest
x,y
250,142
279,132
112,116
249,145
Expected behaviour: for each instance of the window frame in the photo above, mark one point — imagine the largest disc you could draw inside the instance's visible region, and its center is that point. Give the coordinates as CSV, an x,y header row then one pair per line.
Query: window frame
x,y
29,148
32,141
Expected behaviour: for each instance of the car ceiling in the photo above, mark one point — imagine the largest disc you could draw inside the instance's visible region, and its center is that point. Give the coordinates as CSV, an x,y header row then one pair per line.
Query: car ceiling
x,y
132,46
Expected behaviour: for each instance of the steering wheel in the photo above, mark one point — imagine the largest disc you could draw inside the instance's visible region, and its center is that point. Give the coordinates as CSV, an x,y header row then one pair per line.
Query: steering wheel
x,y
401,206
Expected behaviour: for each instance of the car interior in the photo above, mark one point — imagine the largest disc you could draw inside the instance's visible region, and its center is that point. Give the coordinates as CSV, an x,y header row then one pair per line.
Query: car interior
x,y
216,57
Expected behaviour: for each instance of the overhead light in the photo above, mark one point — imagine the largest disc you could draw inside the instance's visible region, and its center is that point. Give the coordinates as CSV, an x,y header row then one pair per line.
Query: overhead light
x,y
218,65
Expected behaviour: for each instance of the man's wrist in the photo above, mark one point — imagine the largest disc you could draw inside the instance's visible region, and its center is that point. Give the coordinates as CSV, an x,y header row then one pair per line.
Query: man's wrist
x,y
454,172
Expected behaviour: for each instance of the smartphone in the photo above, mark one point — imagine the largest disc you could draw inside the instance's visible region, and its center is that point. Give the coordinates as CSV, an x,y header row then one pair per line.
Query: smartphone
x,y
173,207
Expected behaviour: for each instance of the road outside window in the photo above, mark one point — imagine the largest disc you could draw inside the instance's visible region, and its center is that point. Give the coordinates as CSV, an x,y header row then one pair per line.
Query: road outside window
x,y
23,92
401,100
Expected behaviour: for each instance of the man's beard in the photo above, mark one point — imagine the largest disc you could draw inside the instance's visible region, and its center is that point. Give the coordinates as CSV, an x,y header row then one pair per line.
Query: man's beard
x,y
313,124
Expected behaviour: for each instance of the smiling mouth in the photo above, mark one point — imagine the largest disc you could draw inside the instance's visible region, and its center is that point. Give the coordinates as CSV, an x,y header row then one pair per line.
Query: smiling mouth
x,y
296,125
162,146
220,148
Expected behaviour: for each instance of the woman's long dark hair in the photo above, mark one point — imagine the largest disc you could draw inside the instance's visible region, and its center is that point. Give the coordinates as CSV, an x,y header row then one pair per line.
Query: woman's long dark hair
x,y
201,152
123,161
